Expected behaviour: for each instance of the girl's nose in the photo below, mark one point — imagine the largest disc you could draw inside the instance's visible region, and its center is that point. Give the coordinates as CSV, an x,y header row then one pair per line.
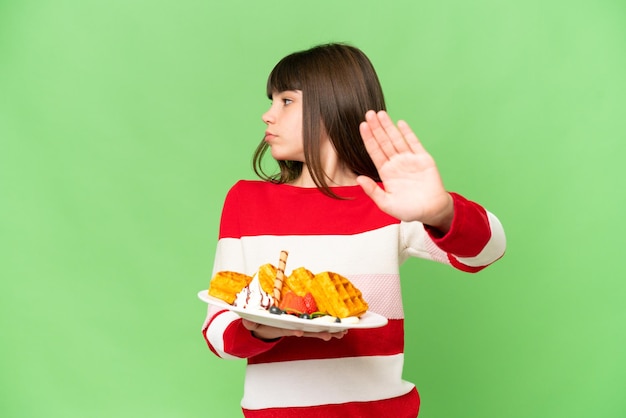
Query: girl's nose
x,y
268,117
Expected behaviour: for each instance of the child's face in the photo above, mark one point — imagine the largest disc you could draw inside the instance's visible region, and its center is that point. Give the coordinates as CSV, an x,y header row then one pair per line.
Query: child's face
x,y
284,126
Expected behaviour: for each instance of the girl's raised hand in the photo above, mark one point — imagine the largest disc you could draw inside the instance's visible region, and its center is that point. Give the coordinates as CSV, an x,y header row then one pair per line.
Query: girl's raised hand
x,y
412,187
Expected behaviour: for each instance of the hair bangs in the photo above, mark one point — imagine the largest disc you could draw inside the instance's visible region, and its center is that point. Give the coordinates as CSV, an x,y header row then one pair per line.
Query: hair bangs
x,y
285,76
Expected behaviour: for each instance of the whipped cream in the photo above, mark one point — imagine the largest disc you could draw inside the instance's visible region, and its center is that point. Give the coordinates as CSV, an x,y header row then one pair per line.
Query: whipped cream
x,y
333,319
253,296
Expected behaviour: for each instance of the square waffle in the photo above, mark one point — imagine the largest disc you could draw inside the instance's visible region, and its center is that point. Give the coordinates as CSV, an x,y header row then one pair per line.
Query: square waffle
x,y
337,296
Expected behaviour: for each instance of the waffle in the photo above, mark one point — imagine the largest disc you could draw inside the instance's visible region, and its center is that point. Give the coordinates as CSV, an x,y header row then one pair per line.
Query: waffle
x,y
226,284
337,296
298,282
333,293
267,274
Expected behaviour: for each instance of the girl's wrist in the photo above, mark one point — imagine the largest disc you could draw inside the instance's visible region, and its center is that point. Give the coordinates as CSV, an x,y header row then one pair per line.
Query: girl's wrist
x,y
443,222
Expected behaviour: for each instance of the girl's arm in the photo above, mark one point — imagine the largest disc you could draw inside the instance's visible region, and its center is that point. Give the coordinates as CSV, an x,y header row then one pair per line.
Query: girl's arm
x,y
223,330
227,337
474,240
460,232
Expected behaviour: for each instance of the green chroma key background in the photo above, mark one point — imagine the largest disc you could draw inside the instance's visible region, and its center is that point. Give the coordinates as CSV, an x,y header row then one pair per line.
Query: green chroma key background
x,y
123,124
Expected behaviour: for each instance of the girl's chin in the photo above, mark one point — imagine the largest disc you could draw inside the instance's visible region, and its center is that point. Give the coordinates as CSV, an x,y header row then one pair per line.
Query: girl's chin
x,y
281,156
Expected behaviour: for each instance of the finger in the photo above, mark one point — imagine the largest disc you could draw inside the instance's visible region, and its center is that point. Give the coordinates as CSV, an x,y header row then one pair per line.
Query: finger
x,y
371,145
379,135
294,333
394,135
411,139
249,325
269,332
373,190
326,335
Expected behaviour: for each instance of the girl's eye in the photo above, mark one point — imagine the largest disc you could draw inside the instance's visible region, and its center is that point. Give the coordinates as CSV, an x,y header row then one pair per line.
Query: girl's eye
x,y
287,101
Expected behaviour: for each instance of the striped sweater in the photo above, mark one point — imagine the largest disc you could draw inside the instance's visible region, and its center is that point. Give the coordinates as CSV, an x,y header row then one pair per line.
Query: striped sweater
x,y
359,375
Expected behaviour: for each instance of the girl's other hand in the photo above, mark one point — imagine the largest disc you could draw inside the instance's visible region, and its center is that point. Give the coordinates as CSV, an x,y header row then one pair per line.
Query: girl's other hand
x,y
412,187
266,332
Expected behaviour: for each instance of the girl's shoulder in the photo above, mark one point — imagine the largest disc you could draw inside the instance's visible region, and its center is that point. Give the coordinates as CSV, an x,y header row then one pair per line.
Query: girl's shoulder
x,y
252,187
253,184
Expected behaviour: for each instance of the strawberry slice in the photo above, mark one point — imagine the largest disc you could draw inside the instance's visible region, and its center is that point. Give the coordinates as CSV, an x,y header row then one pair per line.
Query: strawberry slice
x,y
309,302
293,304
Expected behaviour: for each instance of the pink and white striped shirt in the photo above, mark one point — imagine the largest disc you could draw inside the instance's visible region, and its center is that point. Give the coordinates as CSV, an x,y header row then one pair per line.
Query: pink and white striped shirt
x,y
359,375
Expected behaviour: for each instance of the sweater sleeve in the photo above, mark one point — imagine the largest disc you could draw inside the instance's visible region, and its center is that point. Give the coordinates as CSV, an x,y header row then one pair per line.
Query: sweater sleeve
x,y
227,338
475,240
223,330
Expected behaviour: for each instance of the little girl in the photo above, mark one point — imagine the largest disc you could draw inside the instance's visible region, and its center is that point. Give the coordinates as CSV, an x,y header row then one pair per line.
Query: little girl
x,y
356,195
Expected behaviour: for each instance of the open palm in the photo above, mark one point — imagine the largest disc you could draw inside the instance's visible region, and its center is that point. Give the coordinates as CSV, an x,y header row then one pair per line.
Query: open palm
x,y
412,187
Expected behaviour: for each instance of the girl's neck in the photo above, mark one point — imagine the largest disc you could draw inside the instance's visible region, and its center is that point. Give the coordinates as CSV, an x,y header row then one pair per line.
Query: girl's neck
x,y
336,172
337,177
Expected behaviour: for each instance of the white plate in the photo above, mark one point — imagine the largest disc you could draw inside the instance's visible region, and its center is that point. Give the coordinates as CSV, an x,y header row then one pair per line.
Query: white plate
x,y
367,320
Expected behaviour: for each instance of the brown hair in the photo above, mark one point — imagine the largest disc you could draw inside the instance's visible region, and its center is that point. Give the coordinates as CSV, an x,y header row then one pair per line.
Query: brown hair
x,y
338,84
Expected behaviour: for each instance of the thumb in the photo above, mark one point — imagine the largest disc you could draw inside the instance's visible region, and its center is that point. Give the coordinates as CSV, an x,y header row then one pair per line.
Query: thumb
x,y
371,189
249,325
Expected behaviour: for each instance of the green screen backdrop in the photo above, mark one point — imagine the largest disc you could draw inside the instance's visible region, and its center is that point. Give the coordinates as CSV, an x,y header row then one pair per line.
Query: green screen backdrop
x,y
124,123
